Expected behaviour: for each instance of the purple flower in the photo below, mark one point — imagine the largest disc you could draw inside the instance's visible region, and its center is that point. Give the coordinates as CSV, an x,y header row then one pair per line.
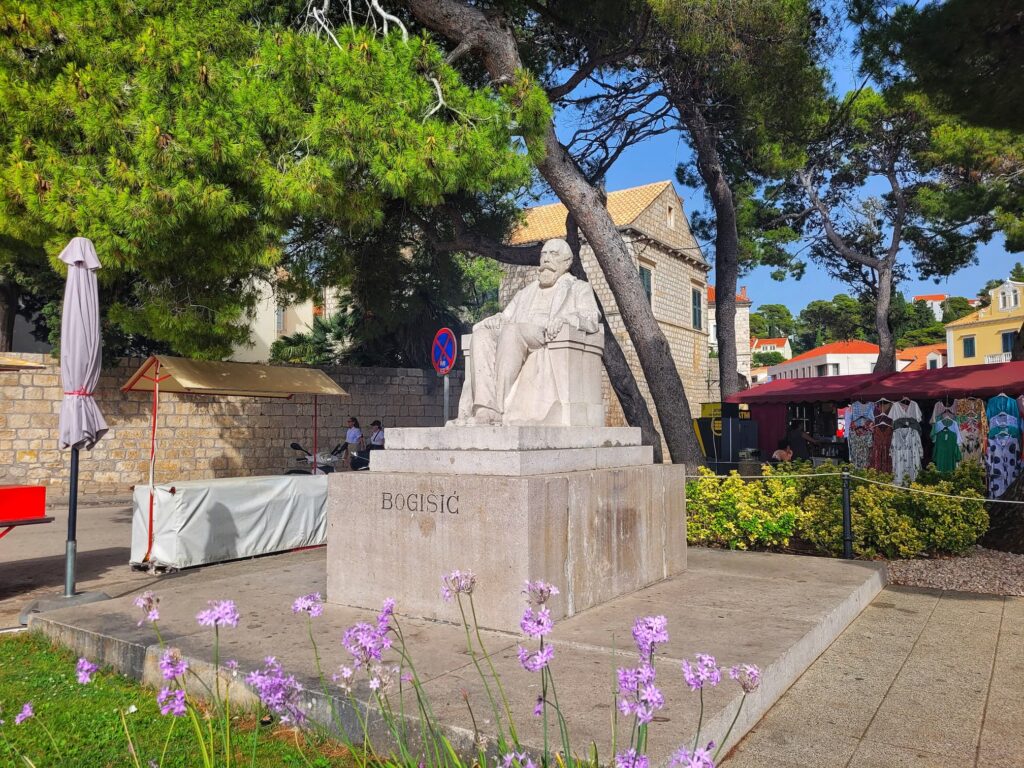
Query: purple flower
x,y
172,665
280,693
26,712
538,592
536,623
149,603
537,660
232,665
630,759
171,701
387,610
220,613
366,643
649,632
520,759
699,758
704,672
85,669
748,676
538,708
637,693
313,604
457,583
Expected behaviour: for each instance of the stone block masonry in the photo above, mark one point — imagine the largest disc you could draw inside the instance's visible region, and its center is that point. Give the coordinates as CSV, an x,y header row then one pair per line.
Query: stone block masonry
x,y
198,437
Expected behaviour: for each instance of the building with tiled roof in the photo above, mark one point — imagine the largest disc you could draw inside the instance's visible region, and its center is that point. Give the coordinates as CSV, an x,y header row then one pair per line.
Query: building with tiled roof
x,y
921,358
780,345
742,328
669,265
839,358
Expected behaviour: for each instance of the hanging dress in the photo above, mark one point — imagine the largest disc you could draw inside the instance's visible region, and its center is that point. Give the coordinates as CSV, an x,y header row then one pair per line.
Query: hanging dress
x,y
946,439
859,433
1002,462
973,424
907,450
881,440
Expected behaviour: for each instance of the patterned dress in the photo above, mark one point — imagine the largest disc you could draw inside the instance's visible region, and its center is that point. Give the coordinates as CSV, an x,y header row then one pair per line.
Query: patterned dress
x,y
1002,460
859,433
907,450
973,424
881,459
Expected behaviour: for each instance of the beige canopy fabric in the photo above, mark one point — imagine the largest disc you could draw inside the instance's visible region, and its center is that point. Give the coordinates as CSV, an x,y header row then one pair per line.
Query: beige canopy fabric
x,y
208,377
16,364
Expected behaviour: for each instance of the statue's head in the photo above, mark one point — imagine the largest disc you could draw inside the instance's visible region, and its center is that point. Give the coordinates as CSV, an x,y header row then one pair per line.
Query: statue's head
x,y
555,260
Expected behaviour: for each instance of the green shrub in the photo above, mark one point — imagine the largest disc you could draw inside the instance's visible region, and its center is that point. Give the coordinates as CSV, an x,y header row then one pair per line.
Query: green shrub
x,y
887,522
729,512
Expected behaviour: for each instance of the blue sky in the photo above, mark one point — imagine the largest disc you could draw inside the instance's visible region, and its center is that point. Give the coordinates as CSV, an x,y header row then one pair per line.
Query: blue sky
x,y
657,158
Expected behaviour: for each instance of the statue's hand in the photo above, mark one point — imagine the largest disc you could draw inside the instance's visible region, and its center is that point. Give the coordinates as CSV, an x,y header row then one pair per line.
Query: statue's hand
x,y
493,322
554,328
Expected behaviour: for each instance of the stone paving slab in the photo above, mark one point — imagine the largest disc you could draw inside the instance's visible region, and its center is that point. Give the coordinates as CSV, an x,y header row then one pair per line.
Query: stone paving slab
x,y
777,611
922,678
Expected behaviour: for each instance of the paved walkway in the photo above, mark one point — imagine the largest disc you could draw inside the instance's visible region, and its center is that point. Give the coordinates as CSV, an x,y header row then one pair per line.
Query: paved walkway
x,y
922,678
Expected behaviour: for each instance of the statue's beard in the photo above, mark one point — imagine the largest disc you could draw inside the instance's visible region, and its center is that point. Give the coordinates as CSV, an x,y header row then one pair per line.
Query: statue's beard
x,y
548,277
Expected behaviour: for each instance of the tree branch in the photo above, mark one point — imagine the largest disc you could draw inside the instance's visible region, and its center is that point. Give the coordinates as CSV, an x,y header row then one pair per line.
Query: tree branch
x,y
834,238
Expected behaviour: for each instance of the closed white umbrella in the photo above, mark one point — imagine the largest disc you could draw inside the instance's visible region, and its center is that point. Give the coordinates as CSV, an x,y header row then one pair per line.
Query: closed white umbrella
x,y
81,423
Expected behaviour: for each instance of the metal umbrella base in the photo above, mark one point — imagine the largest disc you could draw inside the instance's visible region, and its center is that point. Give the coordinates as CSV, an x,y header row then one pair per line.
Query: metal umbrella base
x,y
58,601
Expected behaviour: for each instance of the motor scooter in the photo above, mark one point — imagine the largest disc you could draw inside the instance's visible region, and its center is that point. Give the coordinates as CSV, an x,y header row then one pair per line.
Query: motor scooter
x,y
324,461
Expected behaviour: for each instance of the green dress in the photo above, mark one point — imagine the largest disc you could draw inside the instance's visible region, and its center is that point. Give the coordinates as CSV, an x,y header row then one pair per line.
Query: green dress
x,y
946,436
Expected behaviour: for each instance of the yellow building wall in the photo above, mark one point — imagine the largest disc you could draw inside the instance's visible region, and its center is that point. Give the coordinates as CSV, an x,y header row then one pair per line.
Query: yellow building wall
x,y
987,329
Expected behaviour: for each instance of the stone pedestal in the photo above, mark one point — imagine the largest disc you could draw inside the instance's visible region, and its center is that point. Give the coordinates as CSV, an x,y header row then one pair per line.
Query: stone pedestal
x,y
594,529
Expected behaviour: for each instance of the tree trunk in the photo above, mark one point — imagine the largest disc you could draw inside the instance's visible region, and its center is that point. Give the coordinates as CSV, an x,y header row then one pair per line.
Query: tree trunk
x,y
620,375
492,38
1017,353
727,244
886,362
8,311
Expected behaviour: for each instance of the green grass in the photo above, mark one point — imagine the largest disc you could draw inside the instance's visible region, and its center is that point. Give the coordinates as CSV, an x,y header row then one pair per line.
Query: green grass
x,y
85,720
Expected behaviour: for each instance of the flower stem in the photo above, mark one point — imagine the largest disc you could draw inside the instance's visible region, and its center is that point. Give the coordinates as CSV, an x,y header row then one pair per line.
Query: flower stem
x,y
700,720
734,719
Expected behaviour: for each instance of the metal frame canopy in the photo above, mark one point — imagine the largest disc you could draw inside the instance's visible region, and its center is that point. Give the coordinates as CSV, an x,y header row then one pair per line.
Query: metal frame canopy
x,y
162,373
16,364
210,377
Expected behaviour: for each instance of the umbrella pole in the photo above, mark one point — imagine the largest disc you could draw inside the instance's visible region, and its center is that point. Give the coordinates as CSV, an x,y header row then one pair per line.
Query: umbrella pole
x,y
314,435
71,550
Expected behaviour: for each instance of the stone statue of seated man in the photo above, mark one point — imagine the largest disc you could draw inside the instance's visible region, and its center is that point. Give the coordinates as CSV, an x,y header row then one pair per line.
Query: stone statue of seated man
x,y
519,362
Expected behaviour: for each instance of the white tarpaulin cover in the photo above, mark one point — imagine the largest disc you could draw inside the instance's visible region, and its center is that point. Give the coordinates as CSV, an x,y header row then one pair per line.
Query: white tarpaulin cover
x,y
210,521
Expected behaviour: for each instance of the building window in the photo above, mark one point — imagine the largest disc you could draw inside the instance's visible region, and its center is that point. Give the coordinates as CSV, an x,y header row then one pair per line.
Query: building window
x,y
645,280
823,370
697,309
968,346
672,217
1009,299
933,363
1009,337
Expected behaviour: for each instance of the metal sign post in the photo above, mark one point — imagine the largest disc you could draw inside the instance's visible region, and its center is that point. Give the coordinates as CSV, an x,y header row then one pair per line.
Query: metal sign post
x,y
442,355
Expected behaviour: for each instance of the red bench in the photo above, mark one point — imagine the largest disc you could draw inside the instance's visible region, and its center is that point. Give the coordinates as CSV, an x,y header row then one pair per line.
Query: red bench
x,y
22,505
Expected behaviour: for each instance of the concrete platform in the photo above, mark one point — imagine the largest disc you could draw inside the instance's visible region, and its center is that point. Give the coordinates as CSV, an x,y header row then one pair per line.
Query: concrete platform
x,y
777,611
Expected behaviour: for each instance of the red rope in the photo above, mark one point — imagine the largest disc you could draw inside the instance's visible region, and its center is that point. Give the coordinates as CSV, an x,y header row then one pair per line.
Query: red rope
x,y
80,393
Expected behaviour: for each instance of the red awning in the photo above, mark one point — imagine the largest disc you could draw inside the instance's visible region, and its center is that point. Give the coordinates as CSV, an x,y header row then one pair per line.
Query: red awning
x,y
962,381
811,390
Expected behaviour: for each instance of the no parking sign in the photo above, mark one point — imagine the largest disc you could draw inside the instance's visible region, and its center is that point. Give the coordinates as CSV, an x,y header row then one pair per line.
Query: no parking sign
x,y
442,352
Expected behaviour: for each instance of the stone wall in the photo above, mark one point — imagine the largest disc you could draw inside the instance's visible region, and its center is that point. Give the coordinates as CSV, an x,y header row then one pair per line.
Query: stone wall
x,y
198,437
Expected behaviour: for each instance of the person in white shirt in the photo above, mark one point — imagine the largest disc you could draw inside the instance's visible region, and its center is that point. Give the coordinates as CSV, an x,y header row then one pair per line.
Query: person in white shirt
x,y
376,436
354,439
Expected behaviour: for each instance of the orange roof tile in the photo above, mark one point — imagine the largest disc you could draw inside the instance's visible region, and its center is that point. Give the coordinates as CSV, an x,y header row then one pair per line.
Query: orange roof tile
x,y
741,297
917,357
851,347
930,297
755,343
625,205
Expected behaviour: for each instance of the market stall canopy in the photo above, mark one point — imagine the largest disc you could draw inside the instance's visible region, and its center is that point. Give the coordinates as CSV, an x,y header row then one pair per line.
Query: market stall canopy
x,y
810,390
16,364
210,377
982,381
